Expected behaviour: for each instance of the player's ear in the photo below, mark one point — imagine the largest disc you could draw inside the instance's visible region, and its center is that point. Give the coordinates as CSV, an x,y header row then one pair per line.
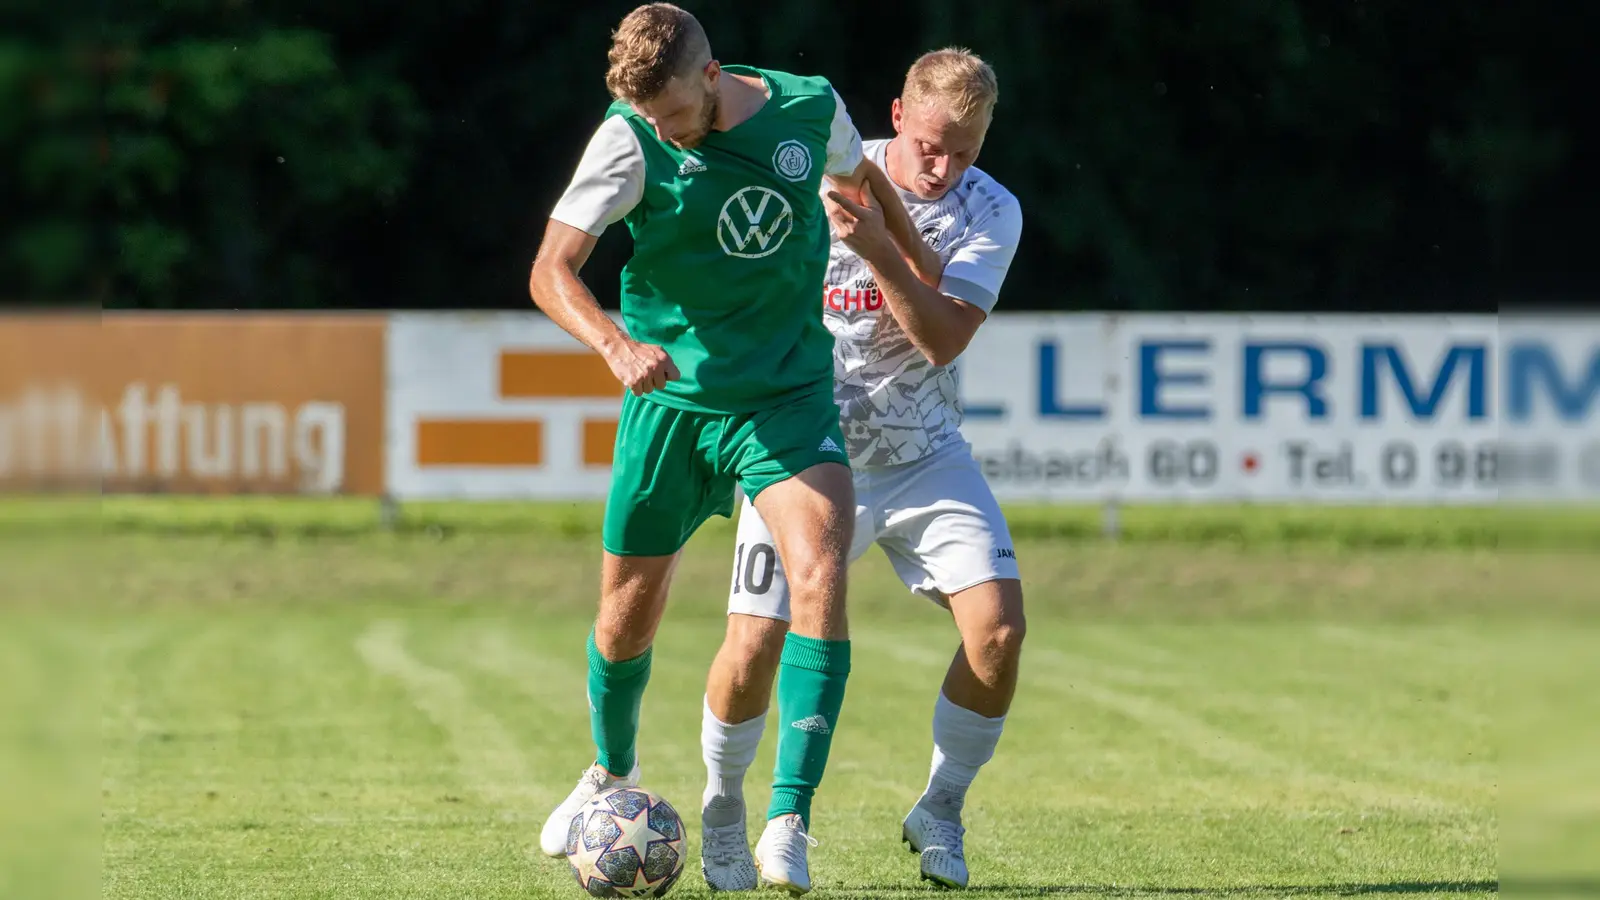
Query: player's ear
x,y
895,112
712,72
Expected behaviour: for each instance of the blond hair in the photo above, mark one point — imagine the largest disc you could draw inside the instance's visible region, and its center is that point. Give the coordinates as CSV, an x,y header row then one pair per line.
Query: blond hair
x,y
955,80
653,44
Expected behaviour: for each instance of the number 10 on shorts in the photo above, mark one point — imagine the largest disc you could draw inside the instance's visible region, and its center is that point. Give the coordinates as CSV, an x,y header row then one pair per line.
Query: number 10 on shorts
x,y
753,574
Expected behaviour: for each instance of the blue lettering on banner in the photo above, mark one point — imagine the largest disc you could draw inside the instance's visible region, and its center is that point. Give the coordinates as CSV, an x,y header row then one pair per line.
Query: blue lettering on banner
x,y
1529,364
1536,378
1050,404
1424,407
1310,387
1152,376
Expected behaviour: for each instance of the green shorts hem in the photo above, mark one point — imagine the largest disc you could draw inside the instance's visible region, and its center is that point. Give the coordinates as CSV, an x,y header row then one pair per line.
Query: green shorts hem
x,y
644,548
753,487
673,469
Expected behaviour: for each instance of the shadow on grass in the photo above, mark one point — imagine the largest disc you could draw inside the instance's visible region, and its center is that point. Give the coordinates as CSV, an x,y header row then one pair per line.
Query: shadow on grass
x,y
1253,890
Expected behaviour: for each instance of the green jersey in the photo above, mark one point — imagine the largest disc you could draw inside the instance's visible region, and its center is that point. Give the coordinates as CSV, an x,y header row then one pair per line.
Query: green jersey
x,y
730,242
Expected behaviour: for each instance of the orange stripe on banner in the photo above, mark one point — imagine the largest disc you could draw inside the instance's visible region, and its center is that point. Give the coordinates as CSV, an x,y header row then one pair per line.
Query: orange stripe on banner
x,y
480,442
545,374
599,440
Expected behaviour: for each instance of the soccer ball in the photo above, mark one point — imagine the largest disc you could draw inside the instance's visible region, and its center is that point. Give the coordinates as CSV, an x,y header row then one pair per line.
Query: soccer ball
x,y
626,842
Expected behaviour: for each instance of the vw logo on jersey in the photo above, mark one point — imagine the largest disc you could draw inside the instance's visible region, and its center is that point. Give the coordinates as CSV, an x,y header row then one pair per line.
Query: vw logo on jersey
x,y
792,159
754,222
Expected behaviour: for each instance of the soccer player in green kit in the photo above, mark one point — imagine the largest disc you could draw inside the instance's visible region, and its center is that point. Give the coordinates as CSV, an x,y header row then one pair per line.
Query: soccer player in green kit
x,y
717,171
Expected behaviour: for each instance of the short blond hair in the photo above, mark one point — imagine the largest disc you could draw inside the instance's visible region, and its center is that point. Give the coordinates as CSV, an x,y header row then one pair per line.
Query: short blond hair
x,y
955,80
652,45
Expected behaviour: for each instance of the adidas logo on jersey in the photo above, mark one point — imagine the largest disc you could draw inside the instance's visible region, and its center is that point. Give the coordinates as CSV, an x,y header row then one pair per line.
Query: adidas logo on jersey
x,y
691,166
828,446
814,724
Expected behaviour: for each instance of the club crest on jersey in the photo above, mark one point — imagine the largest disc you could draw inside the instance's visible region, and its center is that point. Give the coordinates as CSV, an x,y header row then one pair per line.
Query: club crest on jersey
x,y
754,222
934,232
792,159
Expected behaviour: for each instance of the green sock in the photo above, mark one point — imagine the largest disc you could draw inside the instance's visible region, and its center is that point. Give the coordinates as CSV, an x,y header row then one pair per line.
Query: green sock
x,y
616,690
811,682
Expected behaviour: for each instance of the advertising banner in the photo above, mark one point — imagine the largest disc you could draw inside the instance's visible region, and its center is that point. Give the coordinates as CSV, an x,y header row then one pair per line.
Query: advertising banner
x,y
1090,408
211,404
497,406
1324,409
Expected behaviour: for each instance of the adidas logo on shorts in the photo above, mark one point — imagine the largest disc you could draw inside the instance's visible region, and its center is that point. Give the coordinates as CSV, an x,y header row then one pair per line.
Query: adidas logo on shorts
x,y
691,166
814,724
828,446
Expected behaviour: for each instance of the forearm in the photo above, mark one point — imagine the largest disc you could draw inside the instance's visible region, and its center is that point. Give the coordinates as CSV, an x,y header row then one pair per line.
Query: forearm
x,y
561,294
936,326
922,259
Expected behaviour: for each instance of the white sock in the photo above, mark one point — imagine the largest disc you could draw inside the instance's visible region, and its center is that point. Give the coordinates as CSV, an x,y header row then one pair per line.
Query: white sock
x,y
962,742
728,751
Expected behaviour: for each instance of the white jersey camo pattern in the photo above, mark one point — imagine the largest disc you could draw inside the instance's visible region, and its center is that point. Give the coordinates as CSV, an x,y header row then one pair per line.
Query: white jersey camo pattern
x,y
896,406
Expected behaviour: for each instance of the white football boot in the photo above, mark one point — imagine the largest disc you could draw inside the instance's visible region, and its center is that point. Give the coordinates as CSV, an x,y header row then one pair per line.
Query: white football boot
x,y
939,844
725,846
553,838
781,855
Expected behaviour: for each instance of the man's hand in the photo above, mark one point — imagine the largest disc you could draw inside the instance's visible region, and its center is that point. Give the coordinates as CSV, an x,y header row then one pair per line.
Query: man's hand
x,y
641,368
860,226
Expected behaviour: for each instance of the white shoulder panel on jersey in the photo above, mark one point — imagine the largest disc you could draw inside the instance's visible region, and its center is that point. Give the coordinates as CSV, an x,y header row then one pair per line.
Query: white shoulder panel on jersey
x,y
983,252
844,141
609,181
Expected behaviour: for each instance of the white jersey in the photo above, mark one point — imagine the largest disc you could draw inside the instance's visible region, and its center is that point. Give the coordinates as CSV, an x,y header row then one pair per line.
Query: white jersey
x,y
896,406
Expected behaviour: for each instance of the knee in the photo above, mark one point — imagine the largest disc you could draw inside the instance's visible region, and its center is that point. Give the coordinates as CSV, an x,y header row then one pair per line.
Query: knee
x,y
1007,638
626,625
617,644
1000,644
818,574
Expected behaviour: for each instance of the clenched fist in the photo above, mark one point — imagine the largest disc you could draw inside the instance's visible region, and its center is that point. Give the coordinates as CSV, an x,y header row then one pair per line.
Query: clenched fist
x,y
642,368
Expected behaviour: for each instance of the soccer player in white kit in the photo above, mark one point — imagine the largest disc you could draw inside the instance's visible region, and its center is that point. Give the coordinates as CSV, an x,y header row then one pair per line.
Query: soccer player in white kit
x,y
920,494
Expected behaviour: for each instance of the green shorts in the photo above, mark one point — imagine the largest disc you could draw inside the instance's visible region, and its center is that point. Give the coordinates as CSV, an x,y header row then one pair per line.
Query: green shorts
x,y
673,469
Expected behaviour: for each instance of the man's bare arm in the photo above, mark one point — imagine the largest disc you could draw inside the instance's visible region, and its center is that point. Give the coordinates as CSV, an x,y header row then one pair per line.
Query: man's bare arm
x,y
561,294
924,261
938,325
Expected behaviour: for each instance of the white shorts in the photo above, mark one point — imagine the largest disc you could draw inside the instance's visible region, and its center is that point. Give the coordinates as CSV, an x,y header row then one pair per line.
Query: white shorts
x,y
936,519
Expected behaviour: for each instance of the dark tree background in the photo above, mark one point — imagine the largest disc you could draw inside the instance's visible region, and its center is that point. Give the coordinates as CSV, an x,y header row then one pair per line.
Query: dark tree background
x,y
1220,155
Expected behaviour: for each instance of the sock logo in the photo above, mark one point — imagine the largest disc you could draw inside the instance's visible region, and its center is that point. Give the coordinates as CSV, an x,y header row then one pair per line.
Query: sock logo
x,y
814,724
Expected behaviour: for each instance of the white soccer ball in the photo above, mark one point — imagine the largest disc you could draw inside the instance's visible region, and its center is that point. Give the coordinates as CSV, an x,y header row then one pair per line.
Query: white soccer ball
x,y
626,842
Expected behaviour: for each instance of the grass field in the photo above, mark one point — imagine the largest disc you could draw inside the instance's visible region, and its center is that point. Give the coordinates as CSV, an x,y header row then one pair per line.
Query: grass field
x,y
296,704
